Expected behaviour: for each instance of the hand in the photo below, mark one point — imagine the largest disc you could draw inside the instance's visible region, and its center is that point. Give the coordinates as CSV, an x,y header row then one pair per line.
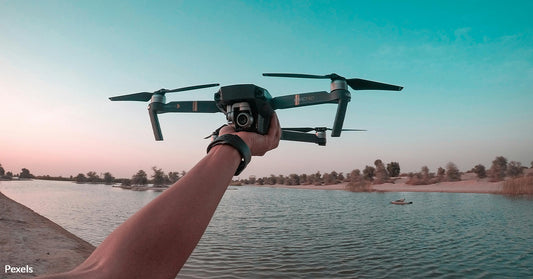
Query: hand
x,y
258,144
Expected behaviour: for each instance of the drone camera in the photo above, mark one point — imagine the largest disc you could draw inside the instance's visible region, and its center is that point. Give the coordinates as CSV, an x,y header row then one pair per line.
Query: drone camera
x,y
240,115
247,107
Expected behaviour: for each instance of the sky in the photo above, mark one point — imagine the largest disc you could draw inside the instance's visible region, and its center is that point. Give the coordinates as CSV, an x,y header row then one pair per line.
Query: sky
x,y
467,69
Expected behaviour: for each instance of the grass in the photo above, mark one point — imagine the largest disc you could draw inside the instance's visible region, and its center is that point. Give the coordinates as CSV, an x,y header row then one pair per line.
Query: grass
x,y
518,186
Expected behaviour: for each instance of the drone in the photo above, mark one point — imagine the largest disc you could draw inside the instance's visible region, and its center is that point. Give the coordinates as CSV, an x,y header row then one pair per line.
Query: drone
x,y
249,107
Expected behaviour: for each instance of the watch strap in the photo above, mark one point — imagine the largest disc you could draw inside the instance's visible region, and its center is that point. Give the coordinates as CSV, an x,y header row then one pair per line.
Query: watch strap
x,y
237,143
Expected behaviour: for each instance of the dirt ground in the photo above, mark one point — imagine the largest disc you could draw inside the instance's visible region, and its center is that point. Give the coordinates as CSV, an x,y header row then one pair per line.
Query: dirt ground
x,y
31,242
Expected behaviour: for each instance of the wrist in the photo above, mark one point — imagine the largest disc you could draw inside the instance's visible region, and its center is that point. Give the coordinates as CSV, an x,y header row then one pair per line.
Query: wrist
x,y
237,144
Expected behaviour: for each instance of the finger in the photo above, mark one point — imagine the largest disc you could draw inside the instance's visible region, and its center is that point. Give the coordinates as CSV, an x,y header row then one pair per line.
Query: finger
x,y
226,130
274,126
277,127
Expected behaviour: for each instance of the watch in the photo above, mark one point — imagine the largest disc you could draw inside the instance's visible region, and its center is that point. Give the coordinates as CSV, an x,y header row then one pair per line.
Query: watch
x,y
237,143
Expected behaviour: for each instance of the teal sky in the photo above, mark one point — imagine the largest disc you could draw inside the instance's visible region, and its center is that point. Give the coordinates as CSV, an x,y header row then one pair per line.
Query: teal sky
x,y
467,69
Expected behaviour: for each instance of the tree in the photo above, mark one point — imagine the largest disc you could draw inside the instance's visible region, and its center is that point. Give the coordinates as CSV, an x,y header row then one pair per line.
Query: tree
x,y
317,178
293,179
173,177
340,177
303,179
441,172
382,175
25,173
92,177
108,178
480,171
358,183
393,168
334,177
140,178
271,180
2,171
328,179
498,169
514,169
369,173
424,173
80,178
355,175
280,179
158,178
452,172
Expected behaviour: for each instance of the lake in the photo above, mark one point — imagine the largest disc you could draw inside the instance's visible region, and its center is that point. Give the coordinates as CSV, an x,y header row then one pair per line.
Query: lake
x,y
262,232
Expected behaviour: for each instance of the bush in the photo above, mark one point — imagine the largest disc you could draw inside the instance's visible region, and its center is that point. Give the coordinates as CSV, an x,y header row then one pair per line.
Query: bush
x,y
498,169
358,183
514,169
452,172
393,168
369,173
382,176
421,178
479,170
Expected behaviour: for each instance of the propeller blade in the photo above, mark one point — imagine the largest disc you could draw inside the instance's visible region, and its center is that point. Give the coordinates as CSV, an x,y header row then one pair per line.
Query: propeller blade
x,y
354,83
354,130
192,87
309,129
363,84
146,96
141,97
295,75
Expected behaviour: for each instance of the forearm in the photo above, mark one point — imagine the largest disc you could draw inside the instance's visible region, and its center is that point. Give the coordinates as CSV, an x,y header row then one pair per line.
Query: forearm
x,y
157,240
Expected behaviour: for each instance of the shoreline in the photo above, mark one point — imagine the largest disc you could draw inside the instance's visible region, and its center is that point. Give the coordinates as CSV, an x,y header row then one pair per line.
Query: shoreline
x,y
33,241
467,185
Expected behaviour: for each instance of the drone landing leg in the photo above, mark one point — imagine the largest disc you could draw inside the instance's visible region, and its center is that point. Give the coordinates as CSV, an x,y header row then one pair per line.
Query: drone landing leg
x,y
152,111
340,87
339,118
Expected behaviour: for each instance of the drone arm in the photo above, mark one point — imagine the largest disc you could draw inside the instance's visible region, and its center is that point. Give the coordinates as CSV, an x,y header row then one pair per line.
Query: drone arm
x,y
191,106
301,136
304,99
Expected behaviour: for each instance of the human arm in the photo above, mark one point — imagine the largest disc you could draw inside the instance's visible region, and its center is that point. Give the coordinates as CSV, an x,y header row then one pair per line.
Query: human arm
x,y
157,240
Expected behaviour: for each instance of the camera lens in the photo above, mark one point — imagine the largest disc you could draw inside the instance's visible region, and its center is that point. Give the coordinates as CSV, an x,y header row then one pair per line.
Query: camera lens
x,y
244,120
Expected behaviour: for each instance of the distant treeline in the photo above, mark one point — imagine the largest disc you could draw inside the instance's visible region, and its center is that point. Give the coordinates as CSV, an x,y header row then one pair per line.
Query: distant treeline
x,y
380,173
24,174
158,178
357,180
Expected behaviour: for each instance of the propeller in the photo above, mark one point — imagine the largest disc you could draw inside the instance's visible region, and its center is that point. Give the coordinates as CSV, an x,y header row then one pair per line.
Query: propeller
x,y
354,83
146,96
317,129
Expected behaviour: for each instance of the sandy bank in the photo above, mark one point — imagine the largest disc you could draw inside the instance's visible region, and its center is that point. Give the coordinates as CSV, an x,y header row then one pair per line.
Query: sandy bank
x,y
464,186
29,239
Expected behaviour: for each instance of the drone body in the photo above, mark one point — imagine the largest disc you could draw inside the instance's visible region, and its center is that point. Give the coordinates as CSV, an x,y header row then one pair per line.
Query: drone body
x,y
249,107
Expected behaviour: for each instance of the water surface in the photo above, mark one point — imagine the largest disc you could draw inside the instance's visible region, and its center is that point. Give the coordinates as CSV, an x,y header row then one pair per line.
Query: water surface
x,y
292,233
